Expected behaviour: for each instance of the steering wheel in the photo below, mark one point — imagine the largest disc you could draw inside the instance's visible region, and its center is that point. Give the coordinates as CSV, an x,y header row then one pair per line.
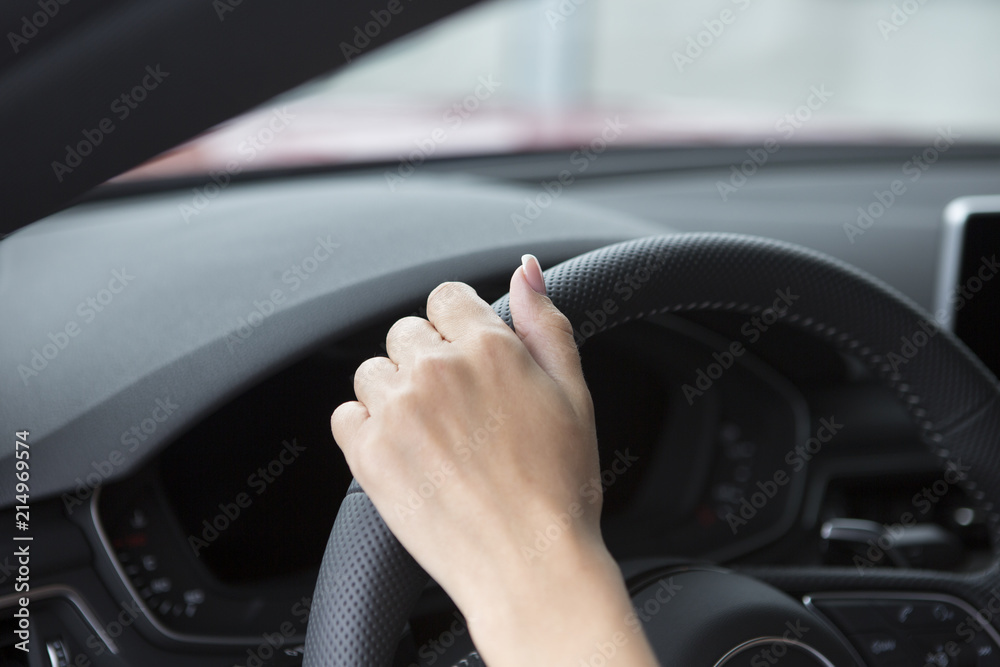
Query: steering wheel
x,y
368,584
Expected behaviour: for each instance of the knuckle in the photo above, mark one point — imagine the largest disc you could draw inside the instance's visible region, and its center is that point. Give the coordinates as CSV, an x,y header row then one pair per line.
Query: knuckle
x,y
495,344
560,322
450,292
367,370
494,338
339,414
364,371
403,328
337,420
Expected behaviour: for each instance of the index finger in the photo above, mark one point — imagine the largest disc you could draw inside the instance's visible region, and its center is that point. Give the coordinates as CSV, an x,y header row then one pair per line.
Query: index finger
x,y
456,311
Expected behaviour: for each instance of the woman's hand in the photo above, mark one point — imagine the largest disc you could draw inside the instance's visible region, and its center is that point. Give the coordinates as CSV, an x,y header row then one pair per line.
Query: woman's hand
x,y
476,445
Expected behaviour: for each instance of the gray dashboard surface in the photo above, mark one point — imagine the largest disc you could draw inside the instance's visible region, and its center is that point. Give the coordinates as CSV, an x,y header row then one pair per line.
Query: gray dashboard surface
x,y
170,340
160,345
810,206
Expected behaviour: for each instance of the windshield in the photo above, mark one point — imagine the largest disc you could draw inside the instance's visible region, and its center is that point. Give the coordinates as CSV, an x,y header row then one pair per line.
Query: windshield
x,y
527,75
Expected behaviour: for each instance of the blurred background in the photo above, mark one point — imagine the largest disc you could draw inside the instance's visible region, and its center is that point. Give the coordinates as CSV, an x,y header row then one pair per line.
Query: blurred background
x,y
527,75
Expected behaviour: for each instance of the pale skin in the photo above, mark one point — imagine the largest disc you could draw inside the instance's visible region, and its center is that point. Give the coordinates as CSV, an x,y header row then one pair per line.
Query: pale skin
x,y
495,431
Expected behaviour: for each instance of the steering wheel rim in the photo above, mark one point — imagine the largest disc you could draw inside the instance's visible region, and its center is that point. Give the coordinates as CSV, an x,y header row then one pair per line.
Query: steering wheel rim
x,y
368,584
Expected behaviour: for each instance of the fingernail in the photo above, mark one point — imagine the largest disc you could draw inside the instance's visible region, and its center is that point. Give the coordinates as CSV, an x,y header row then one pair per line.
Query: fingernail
x,y
533,272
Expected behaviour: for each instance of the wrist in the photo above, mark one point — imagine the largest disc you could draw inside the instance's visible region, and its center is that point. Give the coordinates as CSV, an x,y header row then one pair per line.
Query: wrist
x,y
536,570
568,599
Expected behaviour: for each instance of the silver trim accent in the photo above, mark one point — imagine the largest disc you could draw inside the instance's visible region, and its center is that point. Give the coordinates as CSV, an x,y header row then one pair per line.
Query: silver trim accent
x,y
760,641
211,640
53,654
955,215
807,600
74,598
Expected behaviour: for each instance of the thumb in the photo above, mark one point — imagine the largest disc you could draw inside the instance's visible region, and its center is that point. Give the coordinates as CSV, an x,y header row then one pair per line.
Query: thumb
x,y
543,329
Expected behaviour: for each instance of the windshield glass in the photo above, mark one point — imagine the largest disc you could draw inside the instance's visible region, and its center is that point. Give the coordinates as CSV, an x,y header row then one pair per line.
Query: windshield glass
x,y
527,75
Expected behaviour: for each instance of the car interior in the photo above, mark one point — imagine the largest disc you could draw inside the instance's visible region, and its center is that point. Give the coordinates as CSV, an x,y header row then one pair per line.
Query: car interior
x,y
773,226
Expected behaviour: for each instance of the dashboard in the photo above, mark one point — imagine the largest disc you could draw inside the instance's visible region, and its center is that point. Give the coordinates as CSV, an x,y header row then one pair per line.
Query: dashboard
x,y
224,531
239,509
187,476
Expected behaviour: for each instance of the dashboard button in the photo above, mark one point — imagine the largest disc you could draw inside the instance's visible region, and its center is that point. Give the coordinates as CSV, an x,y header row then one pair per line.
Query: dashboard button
x,y
57,653
985,651
922,614
882,649
903,630
945,651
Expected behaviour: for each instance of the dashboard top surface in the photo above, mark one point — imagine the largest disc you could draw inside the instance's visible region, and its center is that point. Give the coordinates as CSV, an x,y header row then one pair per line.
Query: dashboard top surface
x,y
163,311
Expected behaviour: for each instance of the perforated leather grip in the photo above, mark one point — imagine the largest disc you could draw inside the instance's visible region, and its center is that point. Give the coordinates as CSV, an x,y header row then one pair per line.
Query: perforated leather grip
x,y
367,582
367,587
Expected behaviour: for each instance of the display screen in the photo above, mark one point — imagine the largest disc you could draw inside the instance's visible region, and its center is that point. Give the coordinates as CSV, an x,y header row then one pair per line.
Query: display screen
x,y
975,300
256,486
